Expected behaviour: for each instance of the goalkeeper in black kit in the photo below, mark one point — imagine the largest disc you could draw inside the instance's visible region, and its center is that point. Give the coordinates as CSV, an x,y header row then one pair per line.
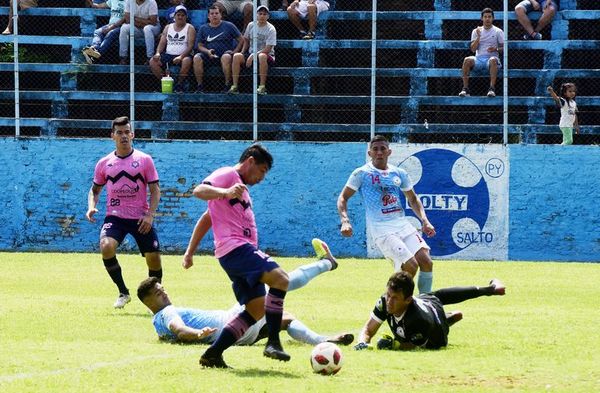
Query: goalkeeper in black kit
x,y
418,321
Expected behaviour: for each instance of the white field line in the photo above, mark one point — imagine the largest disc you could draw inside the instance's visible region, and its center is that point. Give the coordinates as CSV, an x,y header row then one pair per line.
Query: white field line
x,y
91,367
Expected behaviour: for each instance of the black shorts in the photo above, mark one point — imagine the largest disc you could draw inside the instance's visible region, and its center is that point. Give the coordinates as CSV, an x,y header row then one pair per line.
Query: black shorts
x,y
117,228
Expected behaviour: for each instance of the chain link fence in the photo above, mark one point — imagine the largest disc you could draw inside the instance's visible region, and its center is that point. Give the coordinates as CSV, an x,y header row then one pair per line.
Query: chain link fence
x,y
340,86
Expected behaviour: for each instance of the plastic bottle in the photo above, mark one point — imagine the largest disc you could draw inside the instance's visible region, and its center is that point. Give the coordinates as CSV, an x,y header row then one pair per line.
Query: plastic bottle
x,y
166,82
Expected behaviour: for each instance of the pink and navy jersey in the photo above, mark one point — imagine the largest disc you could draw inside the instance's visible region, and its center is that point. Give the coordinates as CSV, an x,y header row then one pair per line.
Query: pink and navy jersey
x,y
126,180
233,221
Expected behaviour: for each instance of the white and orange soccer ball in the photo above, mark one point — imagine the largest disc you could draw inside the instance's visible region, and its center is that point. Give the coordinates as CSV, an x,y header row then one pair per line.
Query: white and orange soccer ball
x,y
326,358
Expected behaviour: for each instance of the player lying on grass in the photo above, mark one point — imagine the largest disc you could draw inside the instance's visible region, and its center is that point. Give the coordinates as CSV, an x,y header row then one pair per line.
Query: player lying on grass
x,y
204,326
418,321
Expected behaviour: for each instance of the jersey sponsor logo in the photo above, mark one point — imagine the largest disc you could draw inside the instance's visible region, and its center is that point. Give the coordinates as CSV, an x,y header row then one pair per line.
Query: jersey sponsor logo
x,y
210,39
126,190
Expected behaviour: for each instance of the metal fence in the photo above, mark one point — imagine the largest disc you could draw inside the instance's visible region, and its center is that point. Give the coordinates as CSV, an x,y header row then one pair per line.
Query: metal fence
x,y
389,67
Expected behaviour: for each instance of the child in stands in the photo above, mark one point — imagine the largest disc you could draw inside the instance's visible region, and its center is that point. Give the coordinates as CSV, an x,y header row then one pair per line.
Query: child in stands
x,y
568,110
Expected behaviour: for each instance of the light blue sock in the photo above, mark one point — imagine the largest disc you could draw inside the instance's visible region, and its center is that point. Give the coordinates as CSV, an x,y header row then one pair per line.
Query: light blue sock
x,y
300,276
300,332
425,281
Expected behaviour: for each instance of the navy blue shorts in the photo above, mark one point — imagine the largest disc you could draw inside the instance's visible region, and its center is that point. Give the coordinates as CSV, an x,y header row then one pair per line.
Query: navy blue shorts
x,y
117,228
167,59
244,266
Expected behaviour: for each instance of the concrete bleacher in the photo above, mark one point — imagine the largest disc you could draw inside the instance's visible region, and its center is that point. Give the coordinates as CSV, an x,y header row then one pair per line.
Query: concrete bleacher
x,y
317,86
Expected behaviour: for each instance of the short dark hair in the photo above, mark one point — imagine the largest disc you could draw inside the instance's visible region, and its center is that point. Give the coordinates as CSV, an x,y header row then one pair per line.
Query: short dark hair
x,y
487,10
119,121
379,138
259,153
220,7
145,287
216,6
402,282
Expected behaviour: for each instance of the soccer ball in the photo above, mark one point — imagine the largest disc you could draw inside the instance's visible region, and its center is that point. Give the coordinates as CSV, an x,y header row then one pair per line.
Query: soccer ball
x,y
326,358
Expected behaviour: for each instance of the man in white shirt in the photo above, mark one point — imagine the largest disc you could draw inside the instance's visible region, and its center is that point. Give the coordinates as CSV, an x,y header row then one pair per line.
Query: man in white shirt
x,y
487,42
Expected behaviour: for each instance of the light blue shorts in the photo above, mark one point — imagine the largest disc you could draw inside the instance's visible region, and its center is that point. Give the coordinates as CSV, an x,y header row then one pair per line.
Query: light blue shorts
x,y
529,7
482,63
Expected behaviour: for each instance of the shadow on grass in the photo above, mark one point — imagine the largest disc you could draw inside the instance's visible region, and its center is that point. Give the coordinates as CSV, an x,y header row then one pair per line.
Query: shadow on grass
x,y
129,314
257,372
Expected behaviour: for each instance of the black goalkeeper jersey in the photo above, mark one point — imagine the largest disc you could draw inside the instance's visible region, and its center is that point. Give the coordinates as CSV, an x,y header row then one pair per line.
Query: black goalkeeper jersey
x,y
423,324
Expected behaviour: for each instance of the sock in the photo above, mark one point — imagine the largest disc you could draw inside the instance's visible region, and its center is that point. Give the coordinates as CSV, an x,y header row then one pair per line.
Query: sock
x,y
232,332
302,275
114,271
156,273
300,332
425,281
274,312
460,294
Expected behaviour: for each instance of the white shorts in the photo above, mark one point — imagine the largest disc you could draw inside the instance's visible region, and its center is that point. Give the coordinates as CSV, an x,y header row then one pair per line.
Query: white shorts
x,y
399,249
303,7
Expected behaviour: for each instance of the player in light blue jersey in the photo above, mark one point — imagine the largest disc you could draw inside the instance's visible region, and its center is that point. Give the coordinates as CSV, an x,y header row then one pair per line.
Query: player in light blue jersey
x,y
194,325
380,185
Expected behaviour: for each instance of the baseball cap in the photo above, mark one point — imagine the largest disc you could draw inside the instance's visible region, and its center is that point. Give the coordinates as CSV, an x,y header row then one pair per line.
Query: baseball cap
x,y
263,8
180,8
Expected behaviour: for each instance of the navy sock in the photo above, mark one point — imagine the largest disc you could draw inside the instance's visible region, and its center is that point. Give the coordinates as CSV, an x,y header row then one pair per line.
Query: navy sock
x,y
114,271
232,332
274,312
156,273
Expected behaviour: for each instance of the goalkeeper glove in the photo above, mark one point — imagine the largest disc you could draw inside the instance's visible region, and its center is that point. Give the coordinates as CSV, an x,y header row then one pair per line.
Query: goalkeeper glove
x,y
361,346
388,342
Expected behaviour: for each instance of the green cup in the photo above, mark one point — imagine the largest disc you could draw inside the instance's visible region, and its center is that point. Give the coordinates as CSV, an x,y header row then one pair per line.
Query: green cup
x,y
166,84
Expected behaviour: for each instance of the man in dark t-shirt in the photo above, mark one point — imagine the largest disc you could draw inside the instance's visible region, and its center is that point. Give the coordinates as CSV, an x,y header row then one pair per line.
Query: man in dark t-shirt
x,y
418,321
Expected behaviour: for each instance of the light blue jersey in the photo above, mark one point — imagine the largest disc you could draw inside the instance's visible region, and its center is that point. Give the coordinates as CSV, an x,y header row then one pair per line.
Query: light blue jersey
x,y
381,191
197,319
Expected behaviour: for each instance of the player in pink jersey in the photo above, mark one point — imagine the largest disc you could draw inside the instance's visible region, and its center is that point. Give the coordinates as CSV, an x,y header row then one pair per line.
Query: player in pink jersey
x,y
127,174
236,247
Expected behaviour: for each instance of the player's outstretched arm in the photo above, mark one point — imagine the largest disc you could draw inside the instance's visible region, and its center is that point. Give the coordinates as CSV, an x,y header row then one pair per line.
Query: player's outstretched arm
x,y
185,333
200,230
367,333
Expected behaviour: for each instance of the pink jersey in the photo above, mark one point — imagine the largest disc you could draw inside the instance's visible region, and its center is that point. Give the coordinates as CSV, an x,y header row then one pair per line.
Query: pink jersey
x,y
233,221
126,180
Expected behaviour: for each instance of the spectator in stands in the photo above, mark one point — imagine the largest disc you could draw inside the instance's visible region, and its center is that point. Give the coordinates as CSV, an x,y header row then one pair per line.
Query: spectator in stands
x,y
548,9
244,7
487,42
266,37
171,10
146,25
21,5
175,48
107,35
306,9
568,111
216,45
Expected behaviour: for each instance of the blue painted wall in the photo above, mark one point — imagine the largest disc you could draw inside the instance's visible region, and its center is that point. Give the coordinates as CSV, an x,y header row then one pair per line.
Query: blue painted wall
x,y
553,194
554,210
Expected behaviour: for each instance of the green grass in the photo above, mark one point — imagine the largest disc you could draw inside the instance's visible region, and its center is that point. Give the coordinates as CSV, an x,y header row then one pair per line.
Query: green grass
x,y
59,332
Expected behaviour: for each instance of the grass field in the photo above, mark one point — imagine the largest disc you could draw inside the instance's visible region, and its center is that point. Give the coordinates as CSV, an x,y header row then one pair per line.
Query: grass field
x,y
59,332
